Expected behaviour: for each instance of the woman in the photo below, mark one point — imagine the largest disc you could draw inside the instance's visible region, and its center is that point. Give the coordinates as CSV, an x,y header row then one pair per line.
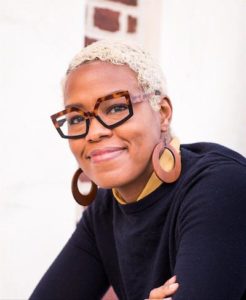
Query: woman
x,y
163,209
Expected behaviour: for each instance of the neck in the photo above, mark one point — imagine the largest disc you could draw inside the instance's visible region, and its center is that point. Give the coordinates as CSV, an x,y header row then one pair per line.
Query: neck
x,y
130,192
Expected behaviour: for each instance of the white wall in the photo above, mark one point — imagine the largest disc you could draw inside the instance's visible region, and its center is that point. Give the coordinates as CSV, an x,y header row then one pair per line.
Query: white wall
x,y
37,212
204,59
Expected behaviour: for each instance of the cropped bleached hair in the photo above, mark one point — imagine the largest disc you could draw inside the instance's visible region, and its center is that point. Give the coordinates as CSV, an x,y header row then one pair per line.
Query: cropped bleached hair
x,y
149,74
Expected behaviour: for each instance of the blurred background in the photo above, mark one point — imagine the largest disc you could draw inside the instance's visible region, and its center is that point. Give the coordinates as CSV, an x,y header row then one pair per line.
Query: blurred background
x,y
201,47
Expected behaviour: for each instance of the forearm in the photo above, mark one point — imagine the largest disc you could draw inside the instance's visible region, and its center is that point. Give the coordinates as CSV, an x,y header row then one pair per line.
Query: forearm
x,y
77,272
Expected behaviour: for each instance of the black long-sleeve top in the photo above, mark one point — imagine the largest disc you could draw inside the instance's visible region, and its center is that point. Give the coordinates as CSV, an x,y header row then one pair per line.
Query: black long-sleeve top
x,y
194,228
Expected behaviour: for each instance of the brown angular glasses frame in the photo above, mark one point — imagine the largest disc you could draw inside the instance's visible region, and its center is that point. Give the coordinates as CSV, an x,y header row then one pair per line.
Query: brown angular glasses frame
x,y
94,113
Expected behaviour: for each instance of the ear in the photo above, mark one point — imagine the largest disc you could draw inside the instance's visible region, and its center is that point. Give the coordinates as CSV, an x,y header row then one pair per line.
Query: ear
x,y
166,112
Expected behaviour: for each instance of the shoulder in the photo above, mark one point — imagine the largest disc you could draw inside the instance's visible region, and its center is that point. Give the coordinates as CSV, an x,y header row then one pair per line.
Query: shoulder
x,y
98,212
209,158
213,181
211,152
103,201
101,205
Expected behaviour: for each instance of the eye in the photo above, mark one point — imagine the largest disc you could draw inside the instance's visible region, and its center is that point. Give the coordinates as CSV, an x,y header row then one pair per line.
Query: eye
x,y
61,122
76,120
117,108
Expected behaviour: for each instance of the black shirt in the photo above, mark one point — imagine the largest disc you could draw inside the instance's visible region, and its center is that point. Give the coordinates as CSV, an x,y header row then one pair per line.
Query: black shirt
x,y
194,228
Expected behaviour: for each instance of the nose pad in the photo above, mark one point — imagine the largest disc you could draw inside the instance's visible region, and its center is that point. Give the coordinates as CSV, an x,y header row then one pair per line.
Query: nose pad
x,y
96,130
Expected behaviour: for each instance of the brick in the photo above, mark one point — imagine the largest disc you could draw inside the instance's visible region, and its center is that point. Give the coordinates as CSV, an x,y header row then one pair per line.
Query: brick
x,y
127,2
131,24
88,41
106,19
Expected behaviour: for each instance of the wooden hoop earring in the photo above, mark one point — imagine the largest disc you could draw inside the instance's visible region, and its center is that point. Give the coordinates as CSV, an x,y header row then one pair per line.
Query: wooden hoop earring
x,y
81,199
163,175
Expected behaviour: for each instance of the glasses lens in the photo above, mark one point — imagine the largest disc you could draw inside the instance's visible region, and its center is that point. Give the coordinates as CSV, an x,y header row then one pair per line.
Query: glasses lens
x,y
113,110
72,124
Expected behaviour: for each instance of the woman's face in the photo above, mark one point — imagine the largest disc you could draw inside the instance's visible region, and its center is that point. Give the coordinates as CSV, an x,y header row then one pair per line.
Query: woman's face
x,y
119,157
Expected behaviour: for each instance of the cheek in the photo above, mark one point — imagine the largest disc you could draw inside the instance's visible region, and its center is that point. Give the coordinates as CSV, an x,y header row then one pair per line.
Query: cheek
x,y
142,139
76,147
143,146
145,131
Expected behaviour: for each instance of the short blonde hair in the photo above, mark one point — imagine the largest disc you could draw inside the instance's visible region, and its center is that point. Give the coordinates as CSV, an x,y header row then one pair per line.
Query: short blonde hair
x,y
149,74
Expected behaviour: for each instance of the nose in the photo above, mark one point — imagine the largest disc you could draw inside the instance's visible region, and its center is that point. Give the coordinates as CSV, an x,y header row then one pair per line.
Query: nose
x,y
97,131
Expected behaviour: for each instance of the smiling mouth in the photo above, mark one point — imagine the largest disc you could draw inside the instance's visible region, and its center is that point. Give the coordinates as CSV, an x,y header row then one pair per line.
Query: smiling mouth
x,y
97,156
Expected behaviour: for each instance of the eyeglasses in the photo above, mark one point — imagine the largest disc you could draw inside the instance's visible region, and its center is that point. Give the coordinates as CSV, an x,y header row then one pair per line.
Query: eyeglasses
x,y
111,111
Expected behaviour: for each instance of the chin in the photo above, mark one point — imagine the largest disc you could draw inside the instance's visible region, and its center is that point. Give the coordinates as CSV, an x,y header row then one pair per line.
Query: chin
x,y
107,184
109,181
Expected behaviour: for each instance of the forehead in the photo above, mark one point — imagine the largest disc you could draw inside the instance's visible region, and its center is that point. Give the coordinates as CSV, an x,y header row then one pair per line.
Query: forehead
x,y
100,78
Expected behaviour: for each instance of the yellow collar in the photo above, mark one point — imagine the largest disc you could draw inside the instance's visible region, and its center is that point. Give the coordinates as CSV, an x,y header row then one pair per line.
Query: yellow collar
x,y
154,182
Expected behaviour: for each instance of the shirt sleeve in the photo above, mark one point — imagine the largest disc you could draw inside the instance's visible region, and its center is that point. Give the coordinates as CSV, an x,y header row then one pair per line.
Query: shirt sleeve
x,y
211,255
77,273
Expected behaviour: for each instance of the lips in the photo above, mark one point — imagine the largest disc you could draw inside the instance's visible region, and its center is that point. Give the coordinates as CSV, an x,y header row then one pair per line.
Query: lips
x,y
104,154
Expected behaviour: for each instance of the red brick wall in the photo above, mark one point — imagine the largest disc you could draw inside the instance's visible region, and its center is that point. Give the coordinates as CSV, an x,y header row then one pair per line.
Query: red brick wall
x,y
111,18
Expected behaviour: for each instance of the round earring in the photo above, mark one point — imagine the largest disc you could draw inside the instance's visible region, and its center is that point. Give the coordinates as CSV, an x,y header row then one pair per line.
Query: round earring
x,y
163,175
81,199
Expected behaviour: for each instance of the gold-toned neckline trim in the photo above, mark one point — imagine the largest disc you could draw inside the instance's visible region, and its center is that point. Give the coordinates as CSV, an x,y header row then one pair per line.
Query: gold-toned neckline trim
x,y
154,182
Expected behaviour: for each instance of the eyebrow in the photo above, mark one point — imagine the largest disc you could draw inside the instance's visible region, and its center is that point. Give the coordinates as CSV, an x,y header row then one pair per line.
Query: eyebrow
x,y
81,106
78,105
